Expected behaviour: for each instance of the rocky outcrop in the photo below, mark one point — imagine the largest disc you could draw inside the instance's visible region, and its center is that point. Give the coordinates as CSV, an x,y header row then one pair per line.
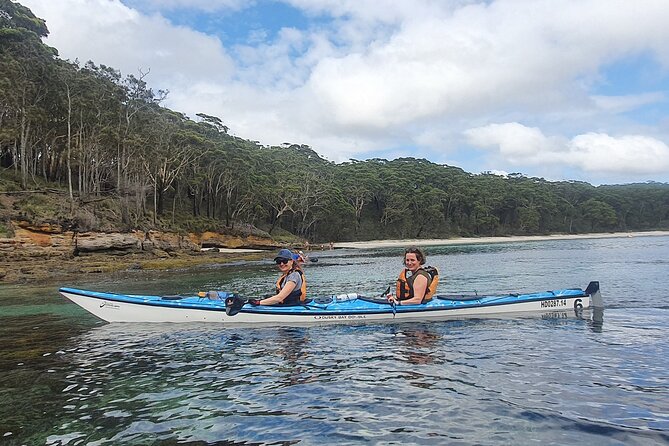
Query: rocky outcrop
x,y
37,241
52,241
115,242
168,242
217,240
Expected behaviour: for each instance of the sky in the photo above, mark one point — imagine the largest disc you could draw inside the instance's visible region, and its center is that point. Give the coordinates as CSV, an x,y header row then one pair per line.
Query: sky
x,y
559,89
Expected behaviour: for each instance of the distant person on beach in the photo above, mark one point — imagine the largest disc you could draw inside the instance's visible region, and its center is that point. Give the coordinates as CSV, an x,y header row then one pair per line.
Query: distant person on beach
x,y
416,283
291,287
300,258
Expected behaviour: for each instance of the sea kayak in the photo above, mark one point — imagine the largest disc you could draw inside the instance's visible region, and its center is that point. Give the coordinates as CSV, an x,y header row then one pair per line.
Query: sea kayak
x,y
223,307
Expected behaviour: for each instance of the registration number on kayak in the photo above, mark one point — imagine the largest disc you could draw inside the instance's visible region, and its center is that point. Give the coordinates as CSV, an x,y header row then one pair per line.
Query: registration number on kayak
x,y
339,317
553,303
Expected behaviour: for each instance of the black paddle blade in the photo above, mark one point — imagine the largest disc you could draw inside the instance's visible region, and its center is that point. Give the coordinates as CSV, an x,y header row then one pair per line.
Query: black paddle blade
x,y
233,305
385,293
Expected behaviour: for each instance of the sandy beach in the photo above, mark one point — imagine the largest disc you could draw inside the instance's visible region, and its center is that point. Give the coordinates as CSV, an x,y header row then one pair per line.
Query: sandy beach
x,y
485,240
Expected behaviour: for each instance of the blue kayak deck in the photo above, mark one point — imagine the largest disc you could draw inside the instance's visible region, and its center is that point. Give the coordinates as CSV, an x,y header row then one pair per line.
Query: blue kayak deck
x,y
359,305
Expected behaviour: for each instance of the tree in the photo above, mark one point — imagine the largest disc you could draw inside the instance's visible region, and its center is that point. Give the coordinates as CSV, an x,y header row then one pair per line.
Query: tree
x,y
601,215
26,65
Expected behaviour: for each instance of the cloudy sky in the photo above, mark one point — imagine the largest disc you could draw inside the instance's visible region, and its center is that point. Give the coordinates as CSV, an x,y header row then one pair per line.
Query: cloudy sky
x,y
562,89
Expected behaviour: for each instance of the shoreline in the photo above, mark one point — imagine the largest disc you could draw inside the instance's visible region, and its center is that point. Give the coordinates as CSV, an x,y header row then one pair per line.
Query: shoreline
x,y
58,269
373,244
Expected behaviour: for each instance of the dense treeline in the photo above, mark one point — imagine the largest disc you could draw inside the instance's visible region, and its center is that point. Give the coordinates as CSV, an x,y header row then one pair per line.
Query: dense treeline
x,y
101,135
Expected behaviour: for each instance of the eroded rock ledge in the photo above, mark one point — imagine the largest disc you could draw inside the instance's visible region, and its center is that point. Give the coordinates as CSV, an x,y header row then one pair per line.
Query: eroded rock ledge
x,y
48,241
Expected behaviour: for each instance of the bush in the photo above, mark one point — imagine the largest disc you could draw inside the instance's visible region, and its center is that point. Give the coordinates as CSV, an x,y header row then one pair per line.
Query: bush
x,y
6,230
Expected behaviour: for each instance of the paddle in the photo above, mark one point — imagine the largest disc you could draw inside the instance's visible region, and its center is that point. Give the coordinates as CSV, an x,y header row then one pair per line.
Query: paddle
x,y
391,302
234,304
382,299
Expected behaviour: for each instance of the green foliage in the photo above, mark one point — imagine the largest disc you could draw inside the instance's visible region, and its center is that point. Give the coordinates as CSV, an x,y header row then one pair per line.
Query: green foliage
x,y
601,215
36,207
9,182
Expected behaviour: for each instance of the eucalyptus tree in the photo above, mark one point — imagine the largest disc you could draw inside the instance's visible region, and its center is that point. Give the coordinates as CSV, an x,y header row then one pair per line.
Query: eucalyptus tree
x,y
570,195
25,67
170,148
639,206
599,214
358,182
134,122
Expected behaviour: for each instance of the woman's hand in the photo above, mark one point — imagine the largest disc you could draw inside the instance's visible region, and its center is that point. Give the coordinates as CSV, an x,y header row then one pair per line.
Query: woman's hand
x,y
391,299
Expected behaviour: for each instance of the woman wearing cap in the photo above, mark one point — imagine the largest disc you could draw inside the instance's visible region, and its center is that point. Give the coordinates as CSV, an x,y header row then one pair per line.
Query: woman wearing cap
x,y
300,258
416,283
291,288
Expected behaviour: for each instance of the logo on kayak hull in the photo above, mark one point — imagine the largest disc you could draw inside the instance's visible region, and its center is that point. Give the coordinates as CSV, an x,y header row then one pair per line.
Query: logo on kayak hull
x,y
112,305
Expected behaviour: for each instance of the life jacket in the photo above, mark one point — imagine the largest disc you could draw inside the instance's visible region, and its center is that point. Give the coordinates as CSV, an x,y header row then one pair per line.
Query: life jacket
x,y
296,296
404,289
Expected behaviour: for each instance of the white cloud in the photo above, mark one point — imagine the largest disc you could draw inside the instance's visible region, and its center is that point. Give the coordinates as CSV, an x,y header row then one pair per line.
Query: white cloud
x,y
417,74
633,154
590,152
515,142
621,104
482,58
112,34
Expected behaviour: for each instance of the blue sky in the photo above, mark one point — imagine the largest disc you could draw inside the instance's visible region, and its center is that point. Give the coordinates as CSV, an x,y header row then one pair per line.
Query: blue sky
x,y
551,88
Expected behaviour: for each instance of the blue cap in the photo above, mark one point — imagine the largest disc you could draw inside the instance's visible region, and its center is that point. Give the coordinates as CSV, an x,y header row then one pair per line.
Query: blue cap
x,y
296,257
284,254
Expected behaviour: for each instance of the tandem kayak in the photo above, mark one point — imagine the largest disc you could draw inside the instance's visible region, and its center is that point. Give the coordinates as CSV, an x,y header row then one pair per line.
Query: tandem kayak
x,y
224,307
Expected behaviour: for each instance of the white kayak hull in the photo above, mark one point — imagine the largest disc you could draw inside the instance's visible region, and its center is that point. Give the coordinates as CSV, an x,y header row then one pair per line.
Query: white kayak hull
x,y
113,307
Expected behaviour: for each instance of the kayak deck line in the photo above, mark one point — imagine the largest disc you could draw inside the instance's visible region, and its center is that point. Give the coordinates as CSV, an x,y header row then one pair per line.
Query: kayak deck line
x,y
115,307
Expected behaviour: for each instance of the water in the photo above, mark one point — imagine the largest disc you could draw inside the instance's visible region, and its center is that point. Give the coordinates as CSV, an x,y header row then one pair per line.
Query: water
x,y
67,379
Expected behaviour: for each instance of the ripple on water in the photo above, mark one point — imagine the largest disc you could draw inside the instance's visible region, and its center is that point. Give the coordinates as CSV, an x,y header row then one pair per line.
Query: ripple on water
x,y
486,381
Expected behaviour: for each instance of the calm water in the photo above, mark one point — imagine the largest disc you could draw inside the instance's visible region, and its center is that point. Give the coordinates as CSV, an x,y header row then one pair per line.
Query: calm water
x,y
67,379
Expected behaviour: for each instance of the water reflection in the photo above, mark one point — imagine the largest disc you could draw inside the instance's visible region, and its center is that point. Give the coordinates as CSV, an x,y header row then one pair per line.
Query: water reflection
x,y
417,343
290,347
594,318
597,322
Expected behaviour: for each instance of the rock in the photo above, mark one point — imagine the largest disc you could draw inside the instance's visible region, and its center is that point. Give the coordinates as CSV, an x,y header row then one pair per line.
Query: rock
x,y
171,242
148,245
216,240
44,228
160,254
117,242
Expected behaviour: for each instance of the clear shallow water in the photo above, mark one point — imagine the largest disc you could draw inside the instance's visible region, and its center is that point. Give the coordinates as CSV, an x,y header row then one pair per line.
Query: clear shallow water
x,y
66,379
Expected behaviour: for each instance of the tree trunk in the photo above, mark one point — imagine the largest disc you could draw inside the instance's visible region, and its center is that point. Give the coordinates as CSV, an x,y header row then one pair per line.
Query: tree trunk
x,y
69,148
25,132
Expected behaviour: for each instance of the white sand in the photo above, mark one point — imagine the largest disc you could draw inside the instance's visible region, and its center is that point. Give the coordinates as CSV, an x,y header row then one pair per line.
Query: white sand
x,y
482,240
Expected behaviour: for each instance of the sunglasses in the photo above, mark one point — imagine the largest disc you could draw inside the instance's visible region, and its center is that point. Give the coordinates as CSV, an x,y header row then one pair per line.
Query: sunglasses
x,y
281,261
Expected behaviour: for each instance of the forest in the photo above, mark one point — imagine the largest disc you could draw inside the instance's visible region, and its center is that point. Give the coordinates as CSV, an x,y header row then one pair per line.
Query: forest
x,y
102,140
